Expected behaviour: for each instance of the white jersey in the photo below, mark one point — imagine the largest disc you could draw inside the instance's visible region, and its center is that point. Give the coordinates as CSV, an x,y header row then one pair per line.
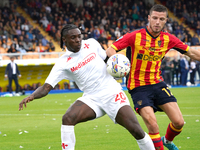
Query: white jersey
x,y
86,67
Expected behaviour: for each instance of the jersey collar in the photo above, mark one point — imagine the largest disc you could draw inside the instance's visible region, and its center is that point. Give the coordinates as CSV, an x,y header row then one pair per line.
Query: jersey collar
x,y
68,52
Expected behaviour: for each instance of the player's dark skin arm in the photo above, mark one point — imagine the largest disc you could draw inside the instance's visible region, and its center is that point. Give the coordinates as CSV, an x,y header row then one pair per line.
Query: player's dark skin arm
x,y
42,91
38,93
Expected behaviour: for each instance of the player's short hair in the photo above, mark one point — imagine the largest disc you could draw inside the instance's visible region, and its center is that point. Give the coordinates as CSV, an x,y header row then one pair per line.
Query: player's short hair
x,y
65,30
158,8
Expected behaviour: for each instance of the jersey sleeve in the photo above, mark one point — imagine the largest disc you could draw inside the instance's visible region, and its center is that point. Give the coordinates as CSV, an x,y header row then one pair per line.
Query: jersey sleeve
x,y
56,75
179,45
123,41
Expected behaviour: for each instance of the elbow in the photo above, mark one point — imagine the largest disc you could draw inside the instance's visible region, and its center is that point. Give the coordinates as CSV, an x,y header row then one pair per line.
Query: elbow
x,y
47,88
195,57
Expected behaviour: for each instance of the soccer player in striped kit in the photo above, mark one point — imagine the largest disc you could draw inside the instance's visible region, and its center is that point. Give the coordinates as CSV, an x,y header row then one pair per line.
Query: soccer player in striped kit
x,y
146,48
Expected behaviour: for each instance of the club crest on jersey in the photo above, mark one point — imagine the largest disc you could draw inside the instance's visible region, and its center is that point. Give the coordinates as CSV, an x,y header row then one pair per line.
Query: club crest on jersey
x,y
86,45
159,43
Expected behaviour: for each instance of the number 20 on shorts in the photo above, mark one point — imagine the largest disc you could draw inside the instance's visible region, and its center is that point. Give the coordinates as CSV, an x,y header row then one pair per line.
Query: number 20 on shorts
x,y
120,97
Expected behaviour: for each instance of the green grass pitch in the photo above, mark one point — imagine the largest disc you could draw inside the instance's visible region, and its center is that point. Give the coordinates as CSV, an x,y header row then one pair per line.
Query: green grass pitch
x,y
37,127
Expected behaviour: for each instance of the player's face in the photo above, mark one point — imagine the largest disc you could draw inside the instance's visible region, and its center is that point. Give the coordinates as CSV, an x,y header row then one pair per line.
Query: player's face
x,y
73,40
157,21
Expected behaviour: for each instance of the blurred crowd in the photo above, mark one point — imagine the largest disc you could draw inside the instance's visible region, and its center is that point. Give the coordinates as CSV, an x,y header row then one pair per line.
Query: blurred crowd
x,y
17,35
99,19
183,71
189,13
103,20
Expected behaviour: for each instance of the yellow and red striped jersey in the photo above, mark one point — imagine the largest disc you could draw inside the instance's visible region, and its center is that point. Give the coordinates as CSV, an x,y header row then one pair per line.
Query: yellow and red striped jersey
x,y
146,53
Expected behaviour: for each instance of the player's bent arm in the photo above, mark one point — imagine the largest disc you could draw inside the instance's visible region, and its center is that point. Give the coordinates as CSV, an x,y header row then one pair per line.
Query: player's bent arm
x,y
110,51
42,91
193,53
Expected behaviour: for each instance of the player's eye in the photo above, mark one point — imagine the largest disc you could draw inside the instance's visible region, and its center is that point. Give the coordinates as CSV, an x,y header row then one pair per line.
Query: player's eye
x,y
73,37
155,18
162,19
79,36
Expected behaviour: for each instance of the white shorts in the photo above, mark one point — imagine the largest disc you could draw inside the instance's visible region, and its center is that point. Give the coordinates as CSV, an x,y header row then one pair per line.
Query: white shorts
x,y
109,104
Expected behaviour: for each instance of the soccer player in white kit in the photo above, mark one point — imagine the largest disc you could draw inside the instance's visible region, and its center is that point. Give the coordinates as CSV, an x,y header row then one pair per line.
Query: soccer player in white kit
x,y
84,63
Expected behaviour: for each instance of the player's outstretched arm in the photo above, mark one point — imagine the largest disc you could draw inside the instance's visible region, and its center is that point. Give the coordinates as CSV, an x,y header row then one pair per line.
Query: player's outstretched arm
x,y
38,93
193,53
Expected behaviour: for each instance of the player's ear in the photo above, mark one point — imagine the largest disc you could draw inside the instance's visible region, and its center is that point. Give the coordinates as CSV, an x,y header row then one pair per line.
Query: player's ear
x,y
63,39
149,17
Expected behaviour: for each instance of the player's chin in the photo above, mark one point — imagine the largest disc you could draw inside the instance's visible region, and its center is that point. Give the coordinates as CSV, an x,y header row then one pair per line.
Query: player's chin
x,y
76,49
157,31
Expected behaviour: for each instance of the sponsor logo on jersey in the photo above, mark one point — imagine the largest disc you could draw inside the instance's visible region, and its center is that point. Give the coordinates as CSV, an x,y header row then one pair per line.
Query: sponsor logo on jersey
x,y
145,40
84,62
151,48
149,57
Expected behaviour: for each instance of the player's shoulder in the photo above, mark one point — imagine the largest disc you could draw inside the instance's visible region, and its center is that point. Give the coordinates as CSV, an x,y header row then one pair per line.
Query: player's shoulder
x,y
143,29
90,40
61,59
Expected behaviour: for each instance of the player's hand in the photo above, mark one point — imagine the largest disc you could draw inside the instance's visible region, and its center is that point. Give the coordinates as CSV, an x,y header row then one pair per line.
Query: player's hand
x,y
24,101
